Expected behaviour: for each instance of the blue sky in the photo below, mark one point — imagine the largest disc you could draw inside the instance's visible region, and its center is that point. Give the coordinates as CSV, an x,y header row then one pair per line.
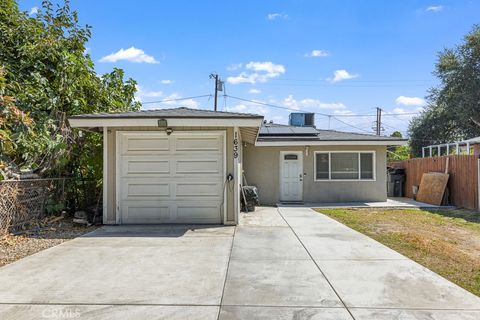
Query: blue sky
x,y
337,58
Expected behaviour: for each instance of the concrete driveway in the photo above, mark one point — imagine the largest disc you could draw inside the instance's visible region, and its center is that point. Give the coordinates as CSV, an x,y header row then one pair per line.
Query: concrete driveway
x,y
285,263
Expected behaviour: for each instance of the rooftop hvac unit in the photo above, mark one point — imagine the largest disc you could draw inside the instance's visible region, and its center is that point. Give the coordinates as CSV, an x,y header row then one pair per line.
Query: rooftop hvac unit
x,y
302,119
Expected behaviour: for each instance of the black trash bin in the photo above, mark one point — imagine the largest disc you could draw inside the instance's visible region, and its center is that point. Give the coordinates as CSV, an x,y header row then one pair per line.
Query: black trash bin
x,y
395,181
251,197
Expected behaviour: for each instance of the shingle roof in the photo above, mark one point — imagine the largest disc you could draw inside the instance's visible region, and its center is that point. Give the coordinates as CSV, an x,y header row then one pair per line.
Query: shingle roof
x,y
168,113
280,132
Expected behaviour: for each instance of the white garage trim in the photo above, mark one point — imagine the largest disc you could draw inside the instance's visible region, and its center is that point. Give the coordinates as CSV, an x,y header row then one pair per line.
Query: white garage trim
x,y
172,122
119,170
237,175
105,173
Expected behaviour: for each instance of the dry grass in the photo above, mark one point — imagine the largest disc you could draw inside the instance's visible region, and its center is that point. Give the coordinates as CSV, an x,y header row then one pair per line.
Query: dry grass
x,y
51,233
445,241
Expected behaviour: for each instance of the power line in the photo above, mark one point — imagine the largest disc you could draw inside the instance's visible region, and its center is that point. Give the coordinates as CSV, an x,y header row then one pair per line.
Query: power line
x,y
275,106
319,113
351,125
178,99
280,107
334,85
297,110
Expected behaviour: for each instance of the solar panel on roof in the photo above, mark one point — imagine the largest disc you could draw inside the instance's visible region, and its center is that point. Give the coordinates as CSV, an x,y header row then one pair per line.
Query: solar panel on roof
x,y
287,130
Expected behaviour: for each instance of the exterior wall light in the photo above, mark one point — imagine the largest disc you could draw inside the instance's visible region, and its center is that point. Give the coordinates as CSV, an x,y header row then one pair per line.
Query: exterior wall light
x,y
169,131
162,123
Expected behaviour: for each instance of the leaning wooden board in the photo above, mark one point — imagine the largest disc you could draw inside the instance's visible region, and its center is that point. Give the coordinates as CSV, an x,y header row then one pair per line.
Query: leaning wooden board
x,y
432,187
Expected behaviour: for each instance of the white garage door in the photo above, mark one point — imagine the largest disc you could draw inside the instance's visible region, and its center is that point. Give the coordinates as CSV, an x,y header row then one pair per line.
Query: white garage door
x,y
170,179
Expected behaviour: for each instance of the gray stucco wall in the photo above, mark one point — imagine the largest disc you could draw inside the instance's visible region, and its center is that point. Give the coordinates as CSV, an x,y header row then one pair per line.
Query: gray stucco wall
x,y
110,216
262,169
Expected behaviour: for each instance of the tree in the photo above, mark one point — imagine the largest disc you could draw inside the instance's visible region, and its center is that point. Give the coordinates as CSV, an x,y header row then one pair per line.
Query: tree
x,y
453,112
399,152
45,76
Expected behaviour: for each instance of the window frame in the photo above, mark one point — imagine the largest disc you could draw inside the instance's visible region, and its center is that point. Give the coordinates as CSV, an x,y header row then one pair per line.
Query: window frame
x,y
329,152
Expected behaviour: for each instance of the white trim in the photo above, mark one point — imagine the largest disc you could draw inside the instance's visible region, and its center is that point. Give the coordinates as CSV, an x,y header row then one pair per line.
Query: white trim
x,y
374,159
225,193
118,149
300,160
329,143
236,177
105,175
153,122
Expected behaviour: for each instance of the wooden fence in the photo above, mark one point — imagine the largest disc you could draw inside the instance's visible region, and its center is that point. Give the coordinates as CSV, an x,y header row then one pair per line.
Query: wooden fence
x,y
463,184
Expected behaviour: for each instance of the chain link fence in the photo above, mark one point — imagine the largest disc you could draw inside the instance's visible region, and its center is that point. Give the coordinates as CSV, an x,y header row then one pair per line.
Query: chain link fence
x,y
25,201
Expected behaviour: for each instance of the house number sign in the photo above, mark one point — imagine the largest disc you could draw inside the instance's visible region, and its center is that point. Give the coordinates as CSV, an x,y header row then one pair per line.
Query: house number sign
x,y
235,145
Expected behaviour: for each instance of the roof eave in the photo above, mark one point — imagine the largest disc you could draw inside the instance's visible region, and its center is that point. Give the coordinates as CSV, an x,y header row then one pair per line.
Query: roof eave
x,y
331,142
78,122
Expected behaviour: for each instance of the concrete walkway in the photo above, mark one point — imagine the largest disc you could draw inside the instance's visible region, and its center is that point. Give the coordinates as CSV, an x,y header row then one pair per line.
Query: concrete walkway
x,y
391,203
285,263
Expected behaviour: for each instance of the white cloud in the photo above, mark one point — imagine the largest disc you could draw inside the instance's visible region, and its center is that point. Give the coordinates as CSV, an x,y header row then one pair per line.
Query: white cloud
x,y
343,112
141,94
340,75
266,66
131,54
317,54
276,15
166,81
189,103
33,11
254,91
434,8
410,101
310,103
262,72
249,108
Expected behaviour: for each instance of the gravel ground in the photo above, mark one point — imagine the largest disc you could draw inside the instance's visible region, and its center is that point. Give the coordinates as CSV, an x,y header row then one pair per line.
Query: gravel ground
x,y
15,247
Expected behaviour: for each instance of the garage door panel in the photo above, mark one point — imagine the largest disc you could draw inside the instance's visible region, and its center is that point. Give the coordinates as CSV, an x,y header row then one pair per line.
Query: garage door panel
x,y
145,143
146,189
139,166
198,166
171,179
198,144
200,189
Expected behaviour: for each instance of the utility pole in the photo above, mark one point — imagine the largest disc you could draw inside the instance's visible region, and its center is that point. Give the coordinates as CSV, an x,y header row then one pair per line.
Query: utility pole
x,y
218,87
379,121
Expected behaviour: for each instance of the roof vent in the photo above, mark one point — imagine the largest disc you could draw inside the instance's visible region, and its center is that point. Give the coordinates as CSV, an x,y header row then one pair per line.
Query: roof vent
x,y
302,119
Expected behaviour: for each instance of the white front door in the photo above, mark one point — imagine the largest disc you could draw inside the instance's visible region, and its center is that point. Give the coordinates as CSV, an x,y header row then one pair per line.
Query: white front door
x,y
291,176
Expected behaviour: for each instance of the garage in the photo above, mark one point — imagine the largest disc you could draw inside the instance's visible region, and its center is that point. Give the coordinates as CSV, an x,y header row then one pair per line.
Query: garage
x,y
170,178
170,166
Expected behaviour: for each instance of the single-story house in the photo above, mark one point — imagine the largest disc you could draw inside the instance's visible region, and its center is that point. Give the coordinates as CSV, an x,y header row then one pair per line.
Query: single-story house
x,y
185,165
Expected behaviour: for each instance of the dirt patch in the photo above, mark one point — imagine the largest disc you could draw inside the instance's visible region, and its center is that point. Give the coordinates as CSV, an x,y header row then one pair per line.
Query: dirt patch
x,y
45,234
445,241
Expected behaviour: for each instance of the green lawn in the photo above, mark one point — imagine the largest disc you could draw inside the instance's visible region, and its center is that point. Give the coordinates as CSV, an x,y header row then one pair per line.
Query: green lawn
x,y
445,241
